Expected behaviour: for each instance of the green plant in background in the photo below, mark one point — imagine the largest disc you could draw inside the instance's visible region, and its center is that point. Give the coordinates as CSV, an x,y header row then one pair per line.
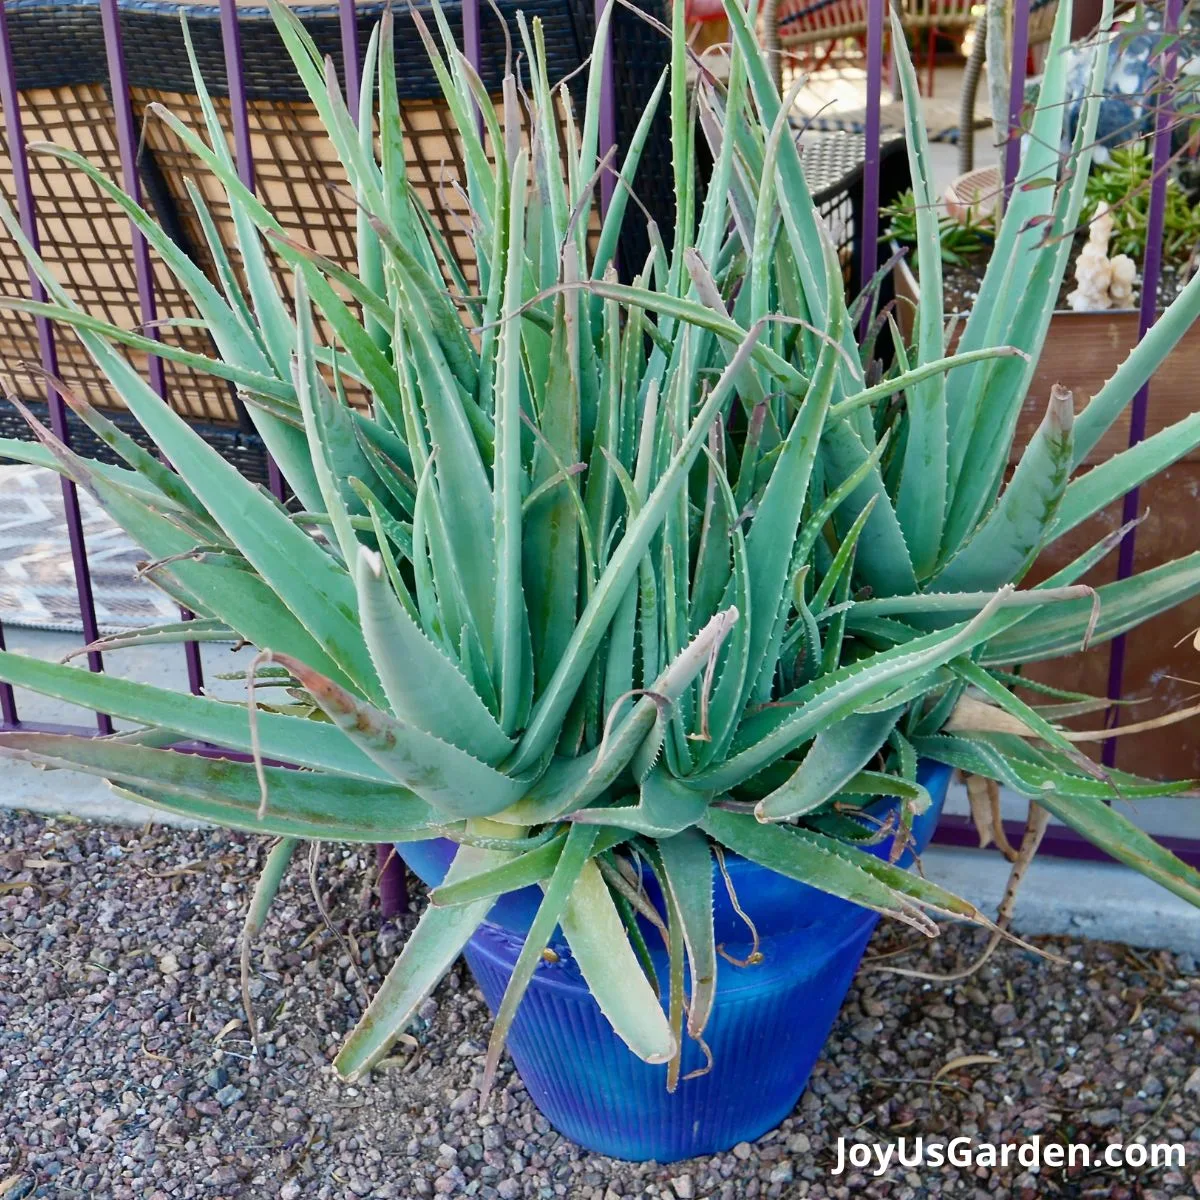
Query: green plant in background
x,y
960,240
1123,183
613,571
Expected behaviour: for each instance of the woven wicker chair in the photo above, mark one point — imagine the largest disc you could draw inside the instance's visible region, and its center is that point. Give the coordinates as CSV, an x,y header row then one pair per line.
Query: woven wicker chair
x,y
62,73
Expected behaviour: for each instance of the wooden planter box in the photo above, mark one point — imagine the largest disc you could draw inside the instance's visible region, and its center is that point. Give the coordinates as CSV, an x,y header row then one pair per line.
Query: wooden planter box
x,y
1081,352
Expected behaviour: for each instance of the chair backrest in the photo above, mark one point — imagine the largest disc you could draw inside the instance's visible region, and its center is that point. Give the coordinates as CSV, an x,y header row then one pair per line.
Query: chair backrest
x,y
61,70
806,22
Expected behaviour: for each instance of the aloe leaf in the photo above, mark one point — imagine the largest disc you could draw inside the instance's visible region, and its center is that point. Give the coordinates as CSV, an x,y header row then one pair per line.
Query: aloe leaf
x,y
928,603
233,372
796,206
370,360
614,219
884,562
457,93
1015,255
664,807
153,470
832,867
230,285
596,936
445,320
288,739
552,175
459,470
1110,480
1137,368
725,706
878,783
326,97
313,587
1000,696
692,312
1118,836
682,148
589,137
1005,545
202,629
907,377
575,854
835,757
550,708
423,687
456,783
921,502
803,642
552,528
843,560
1081,804
510,636
1033,264
70,465
773,530
1123,605
767,736
267,888
230,335
430,951
335,451
524,870
237,597
571,783
300,803
687,877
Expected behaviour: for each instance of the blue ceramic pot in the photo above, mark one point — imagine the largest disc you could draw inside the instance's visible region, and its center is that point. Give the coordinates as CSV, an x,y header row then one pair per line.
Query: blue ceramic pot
x,y
768,1025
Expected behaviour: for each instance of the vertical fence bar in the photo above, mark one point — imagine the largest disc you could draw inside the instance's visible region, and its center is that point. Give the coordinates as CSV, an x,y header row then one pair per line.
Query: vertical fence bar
x,y
1016,95
118,78
47,351
231,42
871,156
8,698
348,25
239,116
473,49
472,35
1148,313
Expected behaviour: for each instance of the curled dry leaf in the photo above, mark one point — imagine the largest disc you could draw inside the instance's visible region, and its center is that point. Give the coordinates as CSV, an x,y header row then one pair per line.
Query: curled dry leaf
x,y
966,1060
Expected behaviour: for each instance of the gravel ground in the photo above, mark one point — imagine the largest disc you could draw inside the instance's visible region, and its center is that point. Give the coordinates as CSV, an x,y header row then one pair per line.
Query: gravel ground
x,y
124,1066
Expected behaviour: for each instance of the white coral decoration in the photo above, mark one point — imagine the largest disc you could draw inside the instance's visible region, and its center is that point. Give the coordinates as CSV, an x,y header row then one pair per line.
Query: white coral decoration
x,y
1103,282
1124,276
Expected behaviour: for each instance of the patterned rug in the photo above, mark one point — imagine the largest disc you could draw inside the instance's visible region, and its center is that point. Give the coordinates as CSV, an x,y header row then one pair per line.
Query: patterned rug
x,y
37,582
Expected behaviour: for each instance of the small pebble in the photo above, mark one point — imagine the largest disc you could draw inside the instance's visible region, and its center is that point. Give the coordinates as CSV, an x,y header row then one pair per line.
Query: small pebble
x,y
1004,1014
229,1095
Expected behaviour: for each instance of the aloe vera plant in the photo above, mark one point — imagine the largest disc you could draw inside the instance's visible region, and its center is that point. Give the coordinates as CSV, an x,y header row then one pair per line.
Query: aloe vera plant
x,y
610,569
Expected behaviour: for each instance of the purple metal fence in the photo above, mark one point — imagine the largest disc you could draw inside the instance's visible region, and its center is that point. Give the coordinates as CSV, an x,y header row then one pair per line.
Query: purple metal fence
x,y
27,211
1151,273
954,830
